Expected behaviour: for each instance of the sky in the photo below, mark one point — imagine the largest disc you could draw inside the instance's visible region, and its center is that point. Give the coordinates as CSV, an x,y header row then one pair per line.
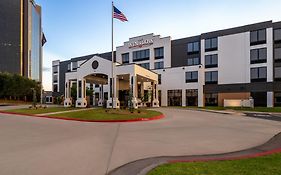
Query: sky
x,y
80,27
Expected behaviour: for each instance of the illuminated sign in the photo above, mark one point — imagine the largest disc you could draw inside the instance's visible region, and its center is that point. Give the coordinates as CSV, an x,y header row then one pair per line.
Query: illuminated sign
x,y
141,43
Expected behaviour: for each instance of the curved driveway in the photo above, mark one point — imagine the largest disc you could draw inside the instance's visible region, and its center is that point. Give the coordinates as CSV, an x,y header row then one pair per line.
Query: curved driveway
x,y
32,146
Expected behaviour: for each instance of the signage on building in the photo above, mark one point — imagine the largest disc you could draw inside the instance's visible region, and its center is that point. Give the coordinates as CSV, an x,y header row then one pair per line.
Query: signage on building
x,y
141,43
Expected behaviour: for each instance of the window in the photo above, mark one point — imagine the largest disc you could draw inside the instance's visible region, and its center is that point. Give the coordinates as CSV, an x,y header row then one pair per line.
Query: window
x,y
159,78
211,99
211,77
191,77
55,78
258,37
211,61
145,65
159,65
125,58
193,61
159,53
192,47
277,54
68,67
277,35
97,85
141,55
79,89
277,73
258,55
55,69
277,99
211,44
55,88
74,65
258,74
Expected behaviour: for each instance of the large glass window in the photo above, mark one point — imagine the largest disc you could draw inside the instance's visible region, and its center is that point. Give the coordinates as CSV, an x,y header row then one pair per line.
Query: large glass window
x,y
55,78
211,99
159,65
125,58
258,37
258,74
277,99
211,44
55,69
174,97
193,61
141,55
74,65
258,55
211,61
277,54
277,73
193,47
211,77
159,53
191,97
277,35
55,88
191,77
145,65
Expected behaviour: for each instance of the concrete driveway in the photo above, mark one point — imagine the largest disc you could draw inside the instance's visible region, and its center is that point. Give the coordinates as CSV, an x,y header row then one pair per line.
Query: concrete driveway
x,y
32,146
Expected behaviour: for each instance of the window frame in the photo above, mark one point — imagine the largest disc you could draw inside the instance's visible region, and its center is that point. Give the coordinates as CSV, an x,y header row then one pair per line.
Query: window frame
x,y
123,56
193,51
160,56
211,77
213,46
141,55
193,62
258,79
212,57
258,53
159,63
256,34
193,75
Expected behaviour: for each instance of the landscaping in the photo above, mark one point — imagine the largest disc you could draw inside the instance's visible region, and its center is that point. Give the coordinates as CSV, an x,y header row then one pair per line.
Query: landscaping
x,y
267,165
39,110
95,114
109,114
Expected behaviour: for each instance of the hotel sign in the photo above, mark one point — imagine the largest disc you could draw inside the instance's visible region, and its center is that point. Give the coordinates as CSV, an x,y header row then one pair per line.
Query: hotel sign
x,y
141,43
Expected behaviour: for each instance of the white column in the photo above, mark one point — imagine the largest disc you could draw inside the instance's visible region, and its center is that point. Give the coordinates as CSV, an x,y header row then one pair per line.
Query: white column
x,y
81,93
270,99
67,101
183,102
155,102
133,85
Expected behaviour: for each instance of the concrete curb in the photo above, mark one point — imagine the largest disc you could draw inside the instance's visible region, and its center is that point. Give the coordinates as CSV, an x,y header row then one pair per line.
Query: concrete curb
x,y
93,121
143,166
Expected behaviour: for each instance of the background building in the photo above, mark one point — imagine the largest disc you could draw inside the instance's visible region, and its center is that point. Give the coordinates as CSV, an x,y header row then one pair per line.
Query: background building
x,y
232,64
21,38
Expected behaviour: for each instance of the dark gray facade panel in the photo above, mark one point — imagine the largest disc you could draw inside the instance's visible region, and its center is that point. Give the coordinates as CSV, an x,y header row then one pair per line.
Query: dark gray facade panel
x,y
245,87
277,25
62,72
179,51
10,36
236,30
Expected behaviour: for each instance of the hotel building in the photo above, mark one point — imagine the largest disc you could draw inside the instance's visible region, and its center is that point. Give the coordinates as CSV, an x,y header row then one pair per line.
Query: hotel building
x,y
240,63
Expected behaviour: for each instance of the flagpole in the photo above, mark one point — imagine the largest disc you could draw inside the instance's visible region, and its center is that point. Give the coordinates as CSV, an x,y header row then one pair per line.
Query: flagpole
x,y
112,57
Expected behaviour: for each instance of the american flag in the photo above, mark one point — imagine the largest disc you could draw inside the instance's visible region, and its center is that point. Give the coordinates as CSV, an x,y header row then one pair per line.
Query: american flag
x,y
119,15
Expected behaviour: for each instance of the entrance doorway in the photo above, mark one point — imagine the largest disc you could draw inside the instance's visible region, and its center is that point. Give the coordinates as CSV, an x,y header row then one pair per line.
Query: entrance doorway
x,y
174,97
191,97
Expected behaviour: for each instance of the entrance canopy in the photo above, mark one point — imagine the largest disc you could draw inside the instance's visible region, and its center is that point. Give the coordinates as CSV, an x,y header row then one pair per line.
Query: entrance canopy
x,y
98,71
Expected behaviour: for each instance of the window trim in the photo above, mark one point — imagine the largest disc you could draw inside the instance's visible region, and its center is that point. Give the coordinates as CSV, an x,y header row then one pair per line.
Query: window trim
x,y
258,60
212,48
212,81
211,57
141,59
123,54
258,79
158,57
192,80
193,51
259,41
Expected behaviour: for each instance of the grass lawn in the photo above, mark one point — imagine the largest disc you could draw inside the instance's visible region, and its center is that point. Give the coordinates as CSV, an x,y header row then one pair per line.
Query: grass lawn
x,y
267,165
39,110
101,114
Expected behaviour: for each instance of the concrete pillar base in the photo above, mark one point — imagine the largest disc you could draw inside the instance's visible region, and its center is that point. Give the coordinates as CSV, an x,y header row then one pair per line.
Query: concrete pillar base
x,y
155,103
67,102
135,103
100,103
116,103
81,103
